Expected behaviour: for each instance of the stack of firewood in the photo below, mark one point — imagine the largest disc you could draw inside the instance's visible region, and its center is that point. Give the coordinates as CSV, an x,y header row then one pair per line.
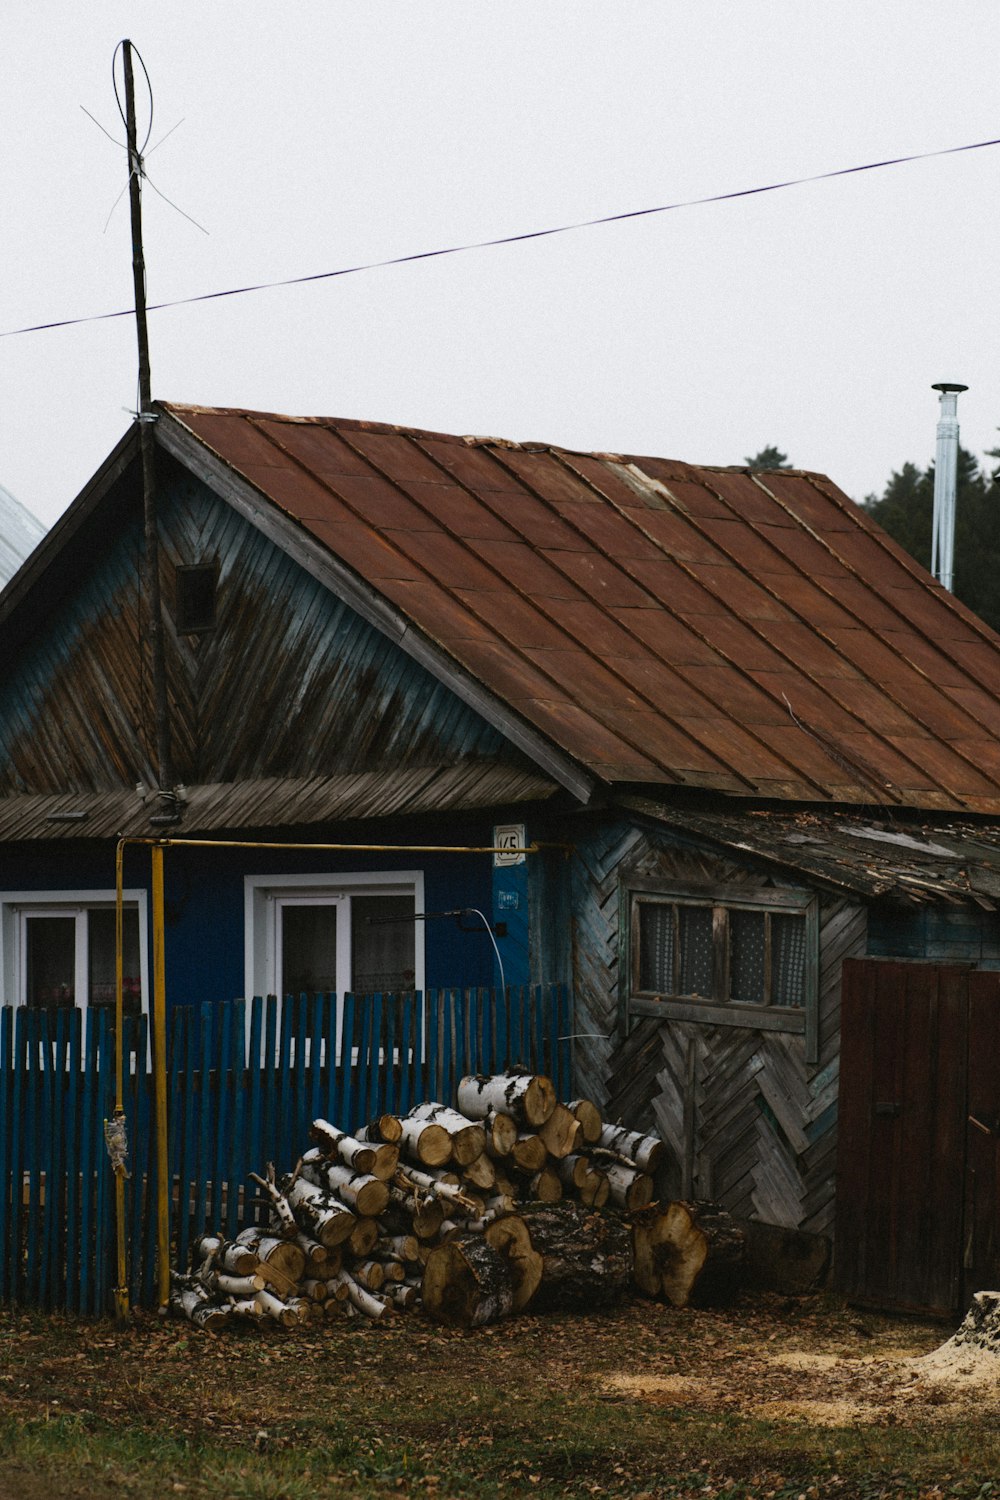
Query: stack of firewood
x,y
513,1198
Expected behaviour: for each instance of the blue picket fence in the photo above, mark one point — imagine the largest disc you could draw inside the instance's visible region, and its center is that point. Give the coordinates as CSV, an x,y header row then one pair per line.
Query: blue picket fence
x,y
244,1080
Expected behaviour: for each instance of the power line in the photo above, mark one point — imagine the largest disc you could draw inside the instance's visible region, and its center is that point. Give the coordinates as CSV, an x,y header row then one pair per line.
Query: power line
x,y
507,239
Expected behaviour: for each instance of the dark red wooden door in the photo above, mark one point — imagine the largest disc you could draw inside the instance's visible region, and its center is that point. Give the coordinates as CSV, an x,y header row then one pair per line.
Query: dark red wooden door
x,y
918,1044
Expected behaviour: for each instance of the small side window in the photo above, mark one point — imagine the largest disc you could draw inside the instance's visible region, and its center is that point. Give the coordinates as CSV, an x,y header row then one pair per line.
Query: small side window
x,y
196,589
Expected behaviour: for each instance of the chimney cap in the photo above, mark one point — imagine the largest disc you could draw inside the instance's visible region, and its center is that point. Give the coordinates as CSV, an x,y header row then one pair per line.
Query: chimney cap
x,y
949,385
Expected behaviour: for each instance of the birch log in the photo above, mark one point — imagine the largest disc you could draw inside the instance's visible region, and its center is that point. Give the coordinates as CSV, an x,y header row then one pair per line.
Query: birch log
x,y
560,1132
587,1256
380,1160
365,1194
318,1212
589,1116
530,1098
501,1133
630,1188
468,1138
280,1255
384,1129
643,1151
426,1142
185,1302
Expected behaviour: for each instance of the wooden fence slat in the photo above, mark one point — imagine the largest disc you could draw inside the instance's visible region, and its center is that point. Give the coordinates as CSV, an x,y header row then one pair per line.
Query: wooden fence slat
x,y
345,1065
71,1299
255,1123
330,1107
409,1054
142,1149
87,1162
204,1120
284,1089
316,1010
56,1278
269,1138
6,1157
223,1114
105,1095
182,1122
390,1092
236,1166
433,1074
300,1086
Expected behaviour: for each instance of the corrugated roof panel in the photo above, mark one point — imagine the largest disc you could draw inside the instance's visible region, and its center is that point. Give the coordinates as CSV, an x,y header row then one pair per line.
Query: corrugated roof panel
x,y
604,599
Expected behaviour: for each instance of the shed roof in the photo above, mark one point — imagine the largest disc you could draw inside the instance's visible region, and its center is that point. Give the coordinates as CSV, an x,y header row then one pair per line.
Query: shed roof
x,y
946,860
750,633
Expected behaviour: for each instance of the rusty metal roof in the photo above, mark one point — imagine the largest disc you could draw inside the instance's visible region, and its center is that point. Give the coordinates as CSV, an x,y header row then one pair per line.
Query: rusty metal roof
x,y
274,802
914,860
743,632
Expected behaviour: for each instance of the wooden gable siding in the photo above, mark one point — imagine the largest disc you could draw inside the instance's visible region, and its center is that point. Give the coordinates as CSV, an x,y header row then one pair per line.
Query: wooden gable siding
x,y
748,1121
289,683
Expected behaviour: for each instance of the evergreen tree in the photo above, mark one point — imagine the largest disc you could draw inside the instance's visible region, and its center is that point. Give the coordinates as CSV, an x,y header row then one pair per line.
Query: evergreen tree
x,y
769,458
906,510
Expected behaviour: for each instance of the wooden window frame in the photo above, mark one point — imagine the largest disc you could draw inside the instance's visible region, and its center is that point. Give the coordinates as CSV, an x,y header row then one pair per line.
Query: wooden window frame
x,y
717,1009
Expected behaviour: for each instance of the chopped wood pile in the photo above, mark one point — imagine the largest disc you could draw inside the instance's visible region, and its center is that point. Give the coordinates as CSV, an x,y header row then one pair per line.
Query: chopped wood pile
x,y
512,1199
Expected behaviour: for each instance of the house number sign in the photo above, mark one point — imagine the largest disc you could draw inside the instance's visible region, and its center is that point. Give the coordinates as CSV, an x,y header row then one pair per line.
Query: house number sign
x,y
508,844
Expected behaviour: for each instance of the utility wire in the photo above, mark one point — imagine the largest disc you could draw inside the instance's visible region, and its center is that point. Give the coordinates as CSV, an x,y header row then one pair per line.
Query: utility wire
x,y
507,239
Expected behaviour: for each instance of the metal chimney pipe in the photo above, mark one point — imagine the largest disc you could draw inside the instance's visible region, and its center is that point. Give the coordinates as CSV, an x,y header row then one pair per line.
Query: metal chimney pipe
x,y
945,484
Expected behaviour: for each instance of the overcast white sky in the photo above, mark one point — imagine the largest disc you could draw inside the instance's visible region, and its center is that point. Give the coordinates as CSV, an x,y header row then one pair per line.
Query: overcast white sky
x,y
318,135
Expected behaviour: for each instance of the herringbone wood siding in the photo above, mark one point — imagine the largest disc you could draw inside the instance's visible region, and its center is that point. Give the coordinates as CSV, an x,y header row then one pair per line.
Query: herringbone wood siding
x,y
748,1120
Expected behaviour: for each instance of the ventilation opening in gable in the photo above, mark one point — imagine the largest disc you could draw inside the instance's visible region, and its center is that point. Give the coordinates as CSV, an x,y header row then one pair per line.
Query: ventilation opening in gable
x,y
196,589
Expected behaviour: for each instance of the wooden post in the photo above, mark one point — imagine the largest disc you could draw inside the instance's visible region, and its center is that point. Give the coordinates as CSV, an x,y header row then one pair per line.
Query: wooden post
x,y
121,1290
160,1083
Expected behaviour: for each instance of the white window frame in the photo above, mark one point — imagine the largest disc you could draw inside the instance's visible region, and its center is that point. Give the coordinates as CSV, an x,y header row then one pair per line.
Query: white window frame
x,y
265,896
17,906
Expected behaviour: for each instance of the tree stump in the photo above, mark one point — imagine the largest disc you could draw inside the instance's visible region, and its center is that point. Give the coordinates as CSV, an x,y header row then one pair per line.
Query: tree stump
x,y
687,1248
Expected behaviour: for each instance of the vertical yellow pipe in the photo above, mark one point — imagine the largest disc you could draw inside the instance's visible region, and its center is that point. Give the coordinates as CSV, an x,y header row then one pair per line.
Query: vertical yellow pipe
x,y
160,1083
121,1290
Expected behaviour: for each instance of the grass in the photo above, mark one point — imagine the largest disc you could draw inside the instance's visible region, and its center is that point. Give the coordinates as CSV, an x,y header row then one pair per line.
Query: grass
x,y
771,1398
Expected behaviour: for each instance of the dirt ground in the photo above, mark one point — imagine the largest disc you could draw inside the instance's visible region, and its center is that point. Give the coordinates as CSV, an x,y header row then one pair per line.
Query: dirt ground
x,y
772,1397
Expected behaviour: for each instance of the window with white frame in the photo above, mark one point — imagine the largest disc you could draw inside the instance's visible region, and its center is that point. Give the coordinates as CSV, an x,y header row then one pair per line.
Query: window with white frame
x,y
730,956
322,934
57,948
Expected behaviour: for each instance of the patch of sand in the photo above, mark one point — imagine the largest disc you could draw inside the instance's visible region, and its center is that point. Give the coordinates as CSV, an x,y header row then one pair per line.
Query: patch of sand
x,y
795,1359
676,1389
816,1413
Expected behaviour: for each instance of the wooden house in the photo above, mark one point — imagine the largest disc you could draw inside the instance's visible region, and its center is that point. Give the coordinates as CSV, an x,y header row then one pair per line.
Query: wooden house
x,y
744,737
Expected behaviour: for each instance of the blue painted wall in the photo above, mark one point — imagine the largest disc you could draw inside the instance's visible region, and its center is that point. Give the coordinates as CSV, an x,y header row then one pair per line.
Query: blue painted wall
x,y
204,906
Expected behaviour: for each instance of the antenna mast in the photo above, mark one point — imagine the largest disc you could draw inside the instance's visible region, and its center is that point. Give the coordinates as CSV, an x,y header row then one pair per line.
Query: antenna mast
x,y
146,418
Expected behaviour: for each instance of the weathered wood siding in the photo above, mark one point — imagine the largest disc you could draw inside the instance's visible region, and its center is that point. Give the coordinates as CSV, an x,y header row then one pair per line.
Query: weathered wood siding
x,y
290,681
748,1120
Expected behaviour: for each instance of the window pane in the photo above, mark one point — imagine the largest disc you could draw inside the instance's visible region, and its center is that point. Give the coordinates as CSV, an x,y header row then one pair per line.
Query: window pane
x,y
51,955
382,944
101,958
696,950
746,957
656,947
308,950
788,960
